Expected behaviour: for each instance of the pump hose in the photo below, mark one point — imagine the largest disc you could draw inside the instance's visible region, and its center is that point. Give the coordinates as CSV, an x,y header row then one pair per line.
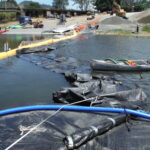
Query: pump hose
x,y
115,61
74,108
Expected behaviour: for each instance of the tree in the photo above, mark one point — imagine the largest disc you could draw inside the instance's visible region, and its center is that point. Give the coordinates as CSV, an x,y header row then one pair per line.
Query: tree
x,y
8,4
60,4
106,5
12,1
33,5
30,5
83,4
103,5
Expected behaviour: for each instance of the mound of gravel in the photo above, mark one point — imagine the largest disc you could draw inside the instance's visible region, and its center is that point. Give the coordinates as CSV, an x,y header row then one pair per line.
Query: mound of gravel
x,y
115,21
142,17
145,20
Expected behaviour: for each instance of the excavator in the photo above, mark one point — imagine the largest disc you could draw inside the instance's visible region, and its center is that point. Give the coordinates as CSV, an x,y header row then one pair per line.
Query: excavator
x,y
116,8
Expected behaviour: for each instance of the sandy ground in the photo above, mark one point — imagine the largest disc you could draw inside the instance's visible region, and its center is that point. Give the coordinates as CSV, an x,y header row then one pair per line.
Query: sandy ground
x,y
54,23
7,24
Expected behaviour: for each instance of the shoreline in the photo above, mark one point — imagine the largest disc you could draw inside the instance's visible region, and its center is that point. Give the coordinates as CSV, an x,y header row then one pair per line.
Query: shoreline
x,y
54,23
49,24
113,33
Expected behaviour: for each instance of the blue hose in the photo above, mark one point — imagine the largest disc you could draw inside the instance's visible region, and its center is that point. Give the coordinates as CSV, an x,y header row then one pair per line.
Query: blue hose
x,y
74,108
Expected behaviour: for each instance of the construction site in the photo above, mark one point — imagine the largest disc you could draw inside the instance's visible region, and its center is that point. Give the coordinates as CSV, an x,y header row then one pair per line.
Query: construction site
x,y
76,82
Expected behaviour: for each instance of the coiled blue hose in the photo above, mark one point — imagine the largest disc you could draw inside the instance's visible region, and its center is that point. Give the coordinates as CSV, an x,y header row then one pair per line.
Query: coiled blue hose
x,y
74,108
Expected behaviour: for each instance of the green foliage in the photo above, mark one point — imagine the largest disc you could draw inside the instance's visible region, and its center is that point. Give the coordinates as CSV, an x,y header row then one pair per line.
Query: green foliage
x,y
142,6
103,5
121,31
146,29
7,15
106,5
60,4
12,1
9,4
33,5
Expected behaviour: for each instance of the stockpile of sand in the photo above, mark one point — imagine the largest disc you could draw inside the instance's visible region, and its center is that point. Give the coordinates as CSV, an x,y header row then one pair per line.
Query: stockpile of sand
x,y
115,21
143,17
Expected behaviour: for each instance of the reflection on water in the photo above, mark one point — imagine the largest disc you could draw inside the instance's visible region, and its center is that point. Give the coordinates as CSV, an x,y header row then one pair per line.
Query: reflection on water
x,y
15,40
101,47
22,83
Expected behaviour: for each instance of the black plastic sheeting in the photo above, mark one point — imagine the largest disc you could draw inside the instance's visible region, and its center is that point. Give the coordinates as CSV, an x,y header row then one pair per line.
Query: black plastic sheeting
x,y
35,50
83,128
132,135
105,92
80,137
58,63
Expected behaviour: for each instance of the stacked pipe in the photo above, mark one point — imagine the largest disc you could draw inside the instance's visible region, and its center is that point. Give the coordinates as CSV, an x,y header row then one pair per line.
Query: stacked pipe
x,y
82,136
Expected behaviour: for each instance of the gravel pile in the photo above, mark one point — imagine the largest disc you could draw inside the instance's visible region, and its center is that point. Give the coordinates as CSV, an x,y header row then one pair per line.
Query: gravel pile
x,y
115,21
143,17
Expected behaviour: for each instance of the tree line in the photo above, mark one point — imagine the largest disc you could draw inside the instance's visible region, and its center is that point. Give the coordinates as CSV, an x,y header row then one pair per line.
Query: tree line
x,y
101,5
61,4
104,5
129,5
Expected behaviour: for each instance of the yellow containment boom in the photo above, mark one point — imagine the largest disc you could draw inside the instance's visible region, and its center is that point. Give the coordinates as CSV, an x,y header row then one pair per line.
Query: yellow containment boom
x,y
13,52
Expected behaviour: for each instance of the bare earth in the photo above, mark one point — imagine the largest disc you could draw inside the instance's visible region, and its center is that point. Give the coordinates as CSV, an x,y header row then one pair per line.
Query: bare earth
x,y
79,20
53,23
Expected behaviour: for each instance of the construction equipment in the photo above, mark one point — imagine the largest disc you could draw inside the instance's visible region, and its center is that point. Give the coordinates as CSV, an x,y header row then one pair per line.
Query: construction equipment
x,y
90,15
116,8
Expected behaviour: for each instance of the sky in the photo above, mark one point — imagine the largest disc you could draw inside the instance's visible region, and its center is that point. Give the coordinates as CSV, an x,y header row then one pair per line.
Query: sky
x,y
49,2
41,2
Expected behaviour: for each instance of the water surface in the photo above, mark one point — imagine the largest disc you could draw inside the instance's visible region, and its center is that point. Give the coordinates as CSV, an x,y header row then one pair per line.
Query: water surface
x,y
23,83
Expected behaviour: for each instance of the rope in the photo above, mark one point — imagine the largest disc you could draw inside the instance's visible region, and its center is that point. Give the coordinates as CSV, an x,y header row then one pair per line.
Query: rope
x,y
56,112
34,128
17,141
